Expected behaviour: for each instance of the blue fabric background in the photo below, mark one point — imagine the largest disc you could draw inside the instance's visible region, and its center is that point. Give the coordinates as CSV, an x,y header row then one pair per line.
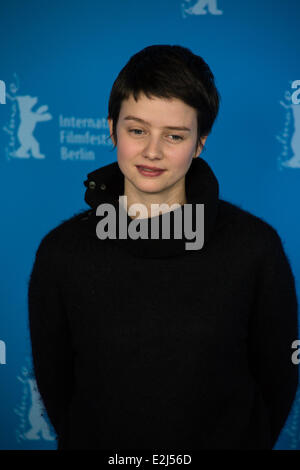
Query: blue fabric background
x,y
67,55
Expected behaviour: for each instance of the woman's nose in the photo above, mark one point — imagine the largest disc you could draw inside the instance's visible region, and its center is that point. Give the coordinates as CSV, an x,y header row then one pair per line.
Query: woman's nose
x,y
153,148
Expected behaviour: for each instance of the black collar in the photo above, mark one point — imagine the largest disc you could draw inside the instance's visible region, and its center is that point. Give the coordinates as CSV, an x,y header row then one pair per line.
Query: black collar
x,y
106,184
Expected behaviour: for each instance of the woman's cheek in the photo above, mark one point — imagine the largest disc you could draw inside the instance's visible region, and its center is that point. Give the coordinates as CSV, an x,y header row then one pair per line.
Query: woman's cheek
x,y
130,148
181,157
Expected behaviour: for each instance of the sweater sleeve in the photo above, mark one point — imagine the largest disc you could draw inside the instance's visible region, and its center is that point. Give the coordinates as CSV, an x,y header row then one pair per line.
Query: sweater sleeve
x,y
273,328
49,334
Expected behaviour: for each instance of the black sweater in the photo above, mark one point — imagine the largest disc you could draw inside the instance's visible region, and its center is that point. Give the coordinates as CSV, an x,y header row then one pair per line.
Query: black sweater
x,y
142,344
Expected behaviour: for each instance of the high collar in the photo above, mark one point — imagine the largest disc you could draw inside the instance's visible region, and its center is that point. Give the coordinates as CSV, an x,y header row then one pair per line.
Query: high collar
x,y
106,184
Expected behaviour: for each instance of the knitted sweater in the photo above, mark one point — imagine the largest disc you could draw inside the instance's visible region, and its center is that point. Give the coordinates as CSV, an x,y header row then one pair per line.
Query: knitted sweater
x,y
143,344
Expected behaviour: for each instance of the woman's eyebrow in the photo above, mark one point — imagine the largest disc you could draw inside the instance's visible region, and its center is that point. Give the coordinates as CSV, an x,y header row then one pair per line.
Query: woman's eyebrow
x,y
175,128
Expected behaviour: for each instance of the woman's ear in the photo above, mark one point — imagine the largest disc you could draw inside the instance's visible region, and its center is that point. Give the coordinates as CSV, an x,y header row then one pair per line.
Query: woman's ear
x,y
200,147
110,124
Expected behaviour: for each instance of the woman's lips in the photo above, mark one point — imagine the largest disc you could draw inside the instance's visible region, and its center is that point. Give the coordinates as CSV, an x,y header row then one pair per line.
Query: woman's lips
x,y
151,173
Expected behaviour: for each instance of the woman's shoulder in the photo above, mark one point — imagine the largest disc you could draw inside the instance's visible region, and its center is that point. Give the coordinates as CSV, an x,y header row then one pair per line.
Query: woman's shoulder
x,y
66,235
246,225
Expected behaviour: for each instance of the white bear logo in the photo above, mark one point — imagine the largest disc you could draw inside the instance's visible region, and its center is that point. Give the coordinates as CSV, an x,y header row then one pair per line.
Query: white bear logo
x,y
39,428
291,134
28,122
199,8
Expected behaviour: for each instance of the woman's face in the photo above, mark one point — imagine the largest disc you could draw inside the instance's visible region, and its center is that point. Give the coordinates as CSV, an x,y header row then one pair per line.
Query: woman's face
x,y
158,133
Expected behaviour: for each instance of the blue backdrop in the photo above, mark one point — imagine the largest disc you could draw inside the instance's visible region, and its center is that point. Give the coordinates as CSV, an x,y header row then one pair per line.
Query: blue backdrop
x,y
58,62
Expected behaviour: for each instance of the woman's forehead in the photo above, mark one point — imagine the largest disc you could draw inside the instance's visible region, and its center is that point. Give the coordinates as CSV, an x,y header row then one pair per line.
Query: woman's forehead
x,y
158,112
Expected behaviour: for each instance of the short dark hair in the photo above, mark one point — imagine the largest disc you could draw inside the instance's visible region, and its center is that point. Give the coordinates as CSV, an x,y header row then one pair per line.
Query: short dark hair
x,y
166,71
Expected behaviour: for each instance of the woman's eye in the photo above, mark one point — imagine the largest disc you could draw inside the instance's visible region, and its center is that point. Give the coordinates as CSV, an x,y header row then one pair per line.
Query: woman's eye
x,y
139,132
135,130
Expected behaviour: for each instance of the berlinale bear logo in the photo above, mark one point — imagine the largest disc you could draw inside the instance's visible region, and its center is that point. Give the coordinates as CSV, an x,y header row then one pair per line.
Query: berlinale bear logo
x,y
28,122
22,122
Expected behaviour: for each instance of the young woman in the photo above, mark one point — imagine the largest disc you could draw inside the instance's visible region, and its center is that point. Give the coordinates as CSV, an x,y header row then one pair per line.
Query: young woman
x,y
156,342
